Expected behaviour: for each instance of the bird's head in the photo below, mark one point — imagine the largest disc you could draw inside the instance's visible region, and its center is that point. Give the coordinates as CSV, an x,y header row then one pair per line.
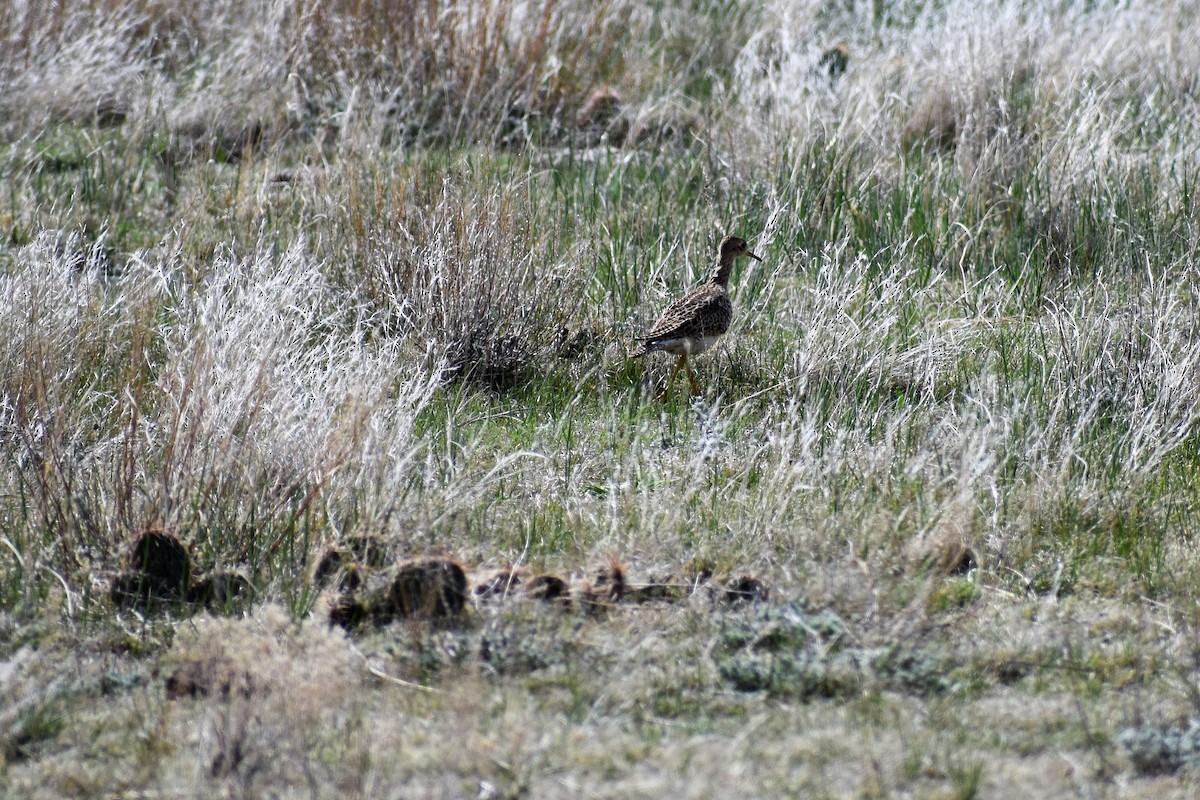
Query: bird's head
x,y
735,247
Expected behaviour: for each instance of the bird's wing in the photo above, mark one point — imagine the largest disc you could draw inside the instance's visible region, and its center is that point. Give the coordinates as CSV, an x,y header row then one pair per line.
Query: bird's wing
x,y
684,316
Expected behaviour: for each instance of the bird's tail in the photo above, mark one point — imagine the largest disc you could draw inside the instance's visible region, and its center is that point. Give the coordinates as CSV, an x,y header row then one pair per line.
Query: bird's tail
x,y
639,349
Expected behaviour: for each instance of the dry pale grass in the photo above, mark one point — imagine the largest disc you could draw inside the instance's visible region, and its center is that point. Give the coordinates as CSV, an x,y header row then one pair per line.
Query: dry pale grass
x,y
616,708
222,77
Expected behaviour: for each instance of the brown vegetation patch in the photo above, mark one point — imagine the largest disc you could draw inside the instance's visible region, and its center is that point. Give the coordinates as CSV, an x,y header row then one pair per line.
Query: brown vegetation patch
x,y
225,143
430,587
497,584
665,590
221,590
343,566
548,587
745,588
949,556
606,586
600,117
209,676
835,60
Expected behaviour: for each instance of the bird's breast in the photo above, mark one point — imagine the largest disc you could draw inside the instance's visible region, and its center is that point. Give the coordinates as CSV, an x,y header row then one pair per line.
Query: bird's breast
x,y
686,345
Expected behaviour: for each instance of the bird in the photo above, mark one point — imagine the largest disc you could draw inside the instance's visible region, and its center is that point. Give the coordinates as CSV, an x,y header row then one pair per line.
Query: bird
x,y
694,322
834,61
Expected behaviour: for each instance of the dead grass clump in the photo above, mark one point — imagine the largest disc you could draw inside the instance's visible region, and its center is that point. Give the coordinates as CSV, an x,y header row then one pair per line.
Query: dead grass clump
x,y
395,71
66,337
475,280
1004,99
261,697
270,398
790,652
212,76
453,69
68,65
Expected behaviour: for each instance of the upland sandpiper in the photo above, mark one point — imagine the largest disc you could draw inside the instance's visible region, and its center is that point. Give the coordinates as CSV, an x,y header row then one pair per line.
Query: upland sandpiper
x,y
694,322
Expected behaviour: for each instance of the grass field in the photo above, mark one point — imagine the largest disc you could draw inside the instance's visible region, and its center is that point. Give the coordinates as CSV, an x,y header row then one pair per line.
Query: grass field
x,y
281,277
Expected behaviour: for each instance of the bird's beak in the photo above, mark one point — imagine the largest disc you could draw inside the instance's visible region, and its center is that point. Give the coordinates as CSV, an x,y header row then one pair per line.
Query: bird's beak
x,y
756,258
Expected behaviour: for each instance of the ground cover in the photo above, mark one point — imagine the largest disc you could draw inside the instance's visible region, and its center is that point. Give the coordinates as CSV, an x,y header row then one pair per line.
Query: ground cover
x,y
287,280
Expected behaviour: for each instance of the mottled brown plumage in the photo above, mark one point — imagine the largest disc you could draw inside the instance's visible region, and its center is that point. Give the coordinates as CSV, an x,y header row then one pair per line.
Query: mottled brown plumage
x,y
694,322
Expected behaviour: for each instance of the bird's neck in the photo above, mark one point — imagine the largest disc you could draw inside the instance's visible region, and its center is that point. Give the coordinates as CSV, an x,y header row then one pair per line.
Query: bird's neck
x,y
720,273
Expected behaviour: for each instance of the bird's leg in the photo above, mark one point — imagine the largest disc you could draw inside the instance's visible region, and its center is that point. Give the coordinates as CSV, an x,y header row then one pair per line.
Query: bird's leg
x,y
674,372
691,378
